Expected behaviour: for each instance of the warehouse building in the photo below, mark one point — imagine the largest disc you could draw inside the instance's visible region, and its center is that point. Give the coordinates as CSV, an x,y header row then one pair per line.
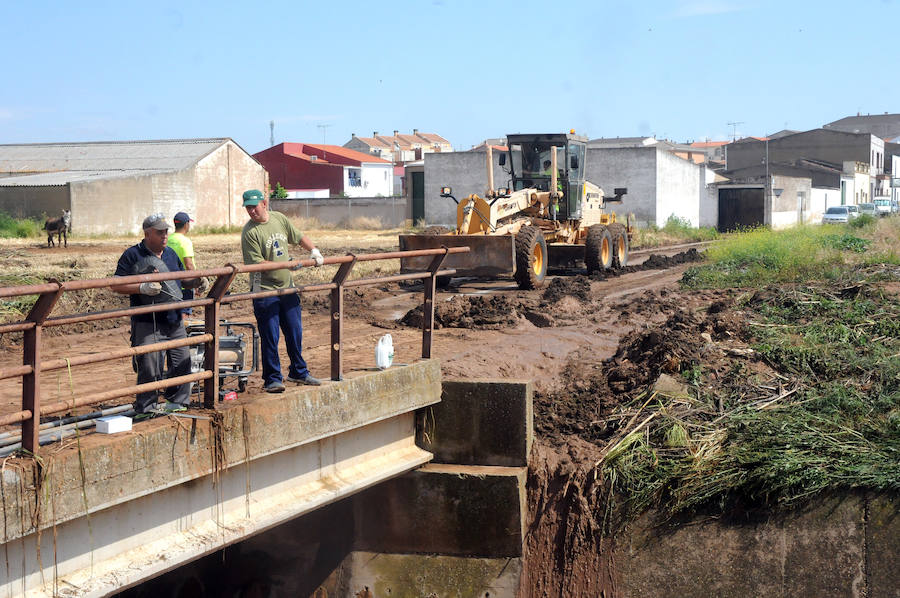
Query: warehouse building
x,y
111,186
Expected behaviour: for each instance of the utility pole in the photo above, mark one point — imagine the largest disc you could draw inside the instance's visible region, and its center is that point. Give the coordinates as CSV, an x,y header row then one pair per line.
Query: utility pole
x,y
324,128
271,133
733,126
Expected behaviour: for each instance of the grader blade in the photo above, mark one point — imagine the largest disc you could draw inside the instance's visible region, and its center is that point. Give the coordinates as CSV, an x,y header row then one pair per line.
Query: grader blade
x,y
488,255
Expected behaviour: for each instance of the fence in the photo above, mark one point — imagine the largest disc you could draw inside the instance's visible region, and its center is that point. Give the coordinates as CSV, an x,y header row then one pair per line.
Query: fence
x,y
49,293
391,211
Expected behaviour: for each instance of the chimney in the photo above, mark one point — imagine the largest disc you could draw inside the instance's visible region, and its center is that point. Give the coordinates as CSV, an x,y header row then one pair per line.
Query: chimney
x,y
415,131
395,132
374,133
352,135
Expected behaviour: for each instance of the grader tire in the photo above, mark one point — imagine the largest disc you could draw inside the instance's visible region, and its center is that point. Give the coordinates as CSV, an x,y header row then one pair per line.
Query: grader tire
x,y
598,252
620,245
531,258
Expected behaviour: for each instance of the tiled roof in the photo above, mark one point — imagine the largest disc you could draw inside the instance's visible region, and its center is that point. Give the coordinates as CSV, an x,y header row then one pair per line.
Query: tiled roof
x,y
403,141
329,154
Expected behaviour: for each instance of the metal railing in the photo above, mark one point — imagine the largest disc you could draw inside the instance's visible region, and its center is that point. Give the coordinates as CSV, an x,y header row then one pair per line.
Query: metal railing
x,y
49,293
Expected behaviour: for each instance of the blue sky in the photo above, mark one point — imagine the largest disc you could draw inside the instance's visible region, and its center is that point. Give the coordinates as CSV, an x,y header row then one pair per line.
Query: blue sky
x,y
466,69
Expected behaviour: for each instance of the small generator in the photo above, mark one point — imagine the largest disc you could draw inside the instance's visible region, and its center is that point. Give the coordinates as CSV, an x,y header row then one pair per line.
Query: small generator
x,y
234,361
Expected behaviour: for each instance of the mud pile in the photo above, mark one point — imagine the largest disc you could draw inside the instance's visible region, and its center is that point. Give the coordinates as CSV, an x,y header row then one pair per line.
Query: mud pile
x,y
478,313
687,338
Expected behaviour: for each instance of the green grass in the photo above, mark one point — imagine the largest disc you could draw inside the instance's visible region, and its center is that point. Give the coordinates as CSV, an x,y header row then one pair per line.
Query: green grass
x,y
676,230
19,228
761,256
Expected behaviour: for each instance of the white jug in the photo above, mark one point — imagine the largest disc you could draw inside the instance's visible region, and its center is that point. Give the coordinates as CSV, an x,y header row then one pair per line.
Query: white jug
x,y
384,352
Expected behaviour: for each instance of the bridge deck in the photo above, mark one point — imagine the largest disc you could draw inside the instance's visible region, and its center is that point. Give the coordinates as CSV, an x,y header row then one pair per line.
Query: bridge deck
x,y
113,511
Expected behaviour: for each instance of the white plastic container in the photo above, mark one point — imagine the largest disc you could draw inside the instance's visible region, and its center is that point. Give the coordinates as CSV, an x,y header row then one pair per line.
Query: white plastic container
x,y
113,424
384,352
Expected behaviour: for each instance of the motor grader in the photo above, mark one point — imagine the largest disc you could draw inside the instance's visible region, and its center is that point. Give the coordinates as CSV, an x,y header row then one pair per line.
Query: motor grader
x,y
549,215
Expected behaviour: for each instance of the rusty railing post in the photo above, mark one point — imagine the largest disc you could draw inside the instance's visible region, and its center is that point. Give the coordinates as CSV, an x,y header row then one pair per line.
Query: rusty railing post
x,y
31,356
211,326
428,303
337,317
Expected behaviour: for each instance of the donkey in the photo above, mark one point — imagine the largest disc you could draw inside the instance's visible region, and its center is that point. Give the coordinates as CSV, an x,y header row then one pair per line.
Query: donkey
x,y
59,227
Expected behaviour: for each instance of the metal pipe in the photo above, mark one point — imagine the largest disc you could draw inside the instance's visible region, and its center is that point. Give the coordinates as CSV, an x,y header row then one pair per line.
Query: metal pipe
x,y
129,311
66,423
58,364
121,392
15,418
98,283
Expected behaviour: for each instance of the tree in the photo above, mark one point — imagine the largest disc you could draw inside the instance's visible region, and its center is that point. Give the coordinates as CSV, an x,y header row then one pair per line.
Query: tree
x,y
279,192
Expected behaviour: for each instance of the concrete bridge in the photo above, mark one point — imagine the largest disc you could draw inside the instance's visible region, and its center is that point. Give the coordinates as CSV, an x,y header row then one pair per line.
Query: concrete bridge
x,y
115,511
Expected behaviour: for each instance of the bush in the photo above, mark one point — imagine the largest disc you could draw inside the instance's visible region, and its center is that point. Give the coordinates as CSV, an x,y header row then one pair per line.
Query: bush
x,y
863,220
19,229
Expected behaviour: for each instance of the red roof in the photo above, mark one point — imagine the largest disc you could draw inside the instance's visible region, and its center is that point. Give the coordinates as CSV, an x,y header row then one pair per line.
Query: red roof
x,y
333,154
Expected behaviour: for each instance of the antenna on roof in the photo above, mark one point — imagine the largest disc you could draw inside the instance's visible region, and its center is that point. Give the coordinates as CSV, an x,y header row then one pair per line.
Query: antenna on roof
x,y
324,128
733,126
271,133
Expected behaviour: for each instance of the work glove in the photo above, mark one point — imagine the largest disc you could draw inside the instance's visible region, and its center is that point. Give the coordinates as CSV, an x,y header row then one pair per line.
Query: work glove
x,y
204,286
150,288
315,254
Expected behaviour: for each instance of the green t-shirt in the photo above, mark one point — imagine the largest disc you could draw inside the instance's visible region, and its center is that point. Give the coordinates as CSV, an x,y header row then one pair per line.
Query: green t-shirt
x,y
268,242
182,245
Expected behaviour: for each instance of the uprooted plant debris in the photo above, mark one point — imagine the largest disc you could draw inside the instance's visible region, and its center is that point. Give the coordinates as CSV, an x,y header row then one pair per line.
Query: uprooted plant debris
x,y
752,401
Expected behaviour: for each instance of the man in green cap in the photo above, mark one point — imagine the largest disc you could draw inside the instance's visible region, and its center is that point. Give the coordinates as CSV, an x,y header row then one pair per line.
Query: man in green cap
x,y
265,238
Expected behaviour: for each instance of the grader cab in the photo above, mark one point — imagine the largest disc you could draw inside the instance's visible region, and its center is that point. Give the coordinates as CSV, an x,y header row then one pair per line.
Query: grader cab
x,y
548,215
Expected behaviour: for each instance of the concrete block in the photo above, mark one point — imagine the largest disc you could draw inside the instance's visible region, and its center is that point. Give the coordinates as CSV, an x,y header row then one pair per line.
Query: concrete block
x,y
883,547
816,552
414,576
480,422
445,509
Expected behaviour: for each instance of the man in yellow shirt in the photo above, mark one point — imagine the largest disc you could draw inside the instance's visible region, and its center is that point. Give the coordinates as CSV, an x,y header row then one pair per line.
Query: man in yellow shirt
x,y
184,248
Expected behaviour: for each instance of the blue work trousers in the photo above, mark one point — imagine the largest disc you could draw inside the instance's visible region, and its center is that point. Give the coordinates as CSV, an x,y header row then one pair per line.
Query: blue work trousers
x,y
271,314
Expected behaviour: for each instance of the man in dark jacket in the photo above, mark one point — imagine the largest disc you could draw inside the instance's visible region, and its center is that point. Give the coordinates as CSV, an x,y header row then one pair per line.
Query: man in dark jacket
x,y
152,255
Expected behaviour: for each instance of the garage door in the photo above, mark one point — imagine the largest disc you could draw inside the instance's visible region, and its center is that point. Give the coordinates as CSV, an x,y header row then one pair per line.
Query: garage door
x,y
741,207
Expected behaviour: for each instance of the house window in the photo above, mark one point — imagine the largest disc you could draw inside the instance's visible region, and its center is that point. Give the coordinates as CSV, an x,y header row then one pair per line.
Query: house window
x,y
354,177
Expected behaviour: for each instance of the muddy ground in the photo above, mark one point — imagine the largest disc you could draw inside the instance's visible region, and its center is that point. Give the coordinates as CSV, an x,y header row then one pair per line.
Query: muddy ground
x,y
586,342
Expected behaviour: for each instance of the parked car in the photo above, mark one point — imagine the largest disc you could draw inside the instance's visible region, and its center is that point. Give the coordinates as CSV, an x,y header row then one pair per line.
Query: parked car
x,y
884,207
854,210
836,214
868,208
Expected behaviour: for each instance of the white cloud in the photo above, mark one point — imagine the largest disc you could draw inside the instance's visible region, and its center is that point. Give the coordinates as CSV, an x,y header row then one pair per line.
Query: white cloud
x,y
699,8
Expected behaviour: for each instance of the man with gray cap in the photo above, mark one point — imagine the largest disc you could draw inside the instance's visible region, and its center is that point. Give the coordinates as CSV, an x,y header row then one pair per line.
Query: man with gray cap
x,y
265,239
148,256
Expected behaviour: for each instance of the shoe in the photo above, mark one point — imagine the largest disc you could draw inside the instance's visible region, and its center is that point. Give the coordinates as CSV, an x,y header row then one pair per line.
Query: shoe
x,y
309,380
174,408
143,415
274,386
